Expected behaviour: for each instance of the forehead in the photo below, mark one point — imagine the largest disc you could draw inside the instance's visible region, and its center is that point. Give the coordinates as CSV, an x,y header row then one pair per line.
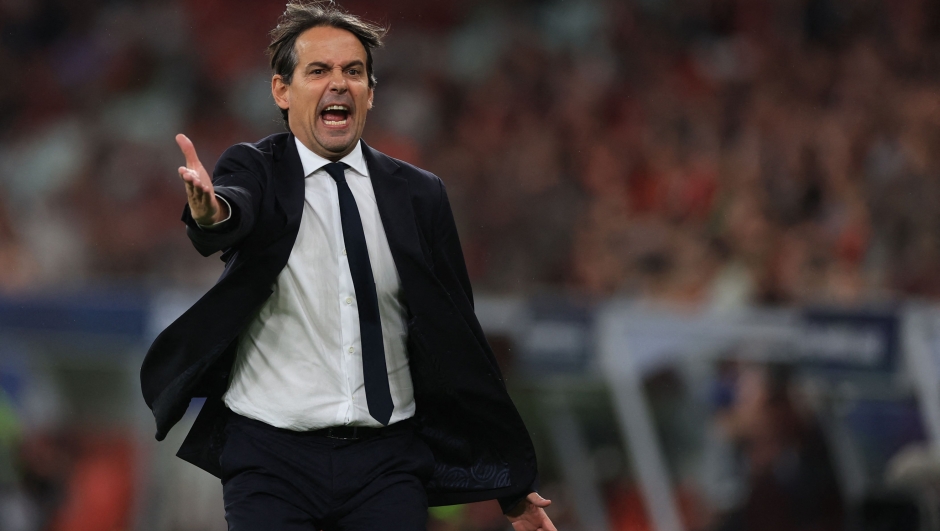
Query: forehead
x,y
328,45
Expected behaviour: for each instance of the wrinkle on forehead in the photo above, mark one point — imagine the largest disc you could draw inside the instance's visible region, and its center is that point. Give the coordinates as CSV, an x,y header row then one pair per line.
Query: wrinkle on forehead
x,y
329,45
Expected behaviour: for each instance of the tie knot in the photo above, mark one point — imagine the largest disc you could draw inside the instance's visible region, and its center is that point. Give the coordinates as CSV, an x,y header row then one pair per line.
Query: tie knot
x,y
337,171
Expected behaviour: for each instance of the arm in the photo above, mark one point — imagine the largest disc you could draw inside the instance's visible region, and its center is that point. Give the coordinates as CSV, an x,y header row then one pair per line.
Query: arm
x,y
528,513
219,212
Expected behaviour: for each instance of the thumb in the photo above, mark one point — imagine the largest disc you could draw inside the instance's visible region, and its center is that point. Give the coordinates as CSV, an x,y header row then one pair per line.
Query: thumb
x,y
189,151
537,500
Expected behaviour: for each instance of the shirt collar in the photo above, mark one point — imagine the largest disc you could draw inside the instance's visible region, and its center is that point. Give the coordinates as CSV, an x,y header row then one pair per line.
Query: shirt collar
x,y
313,162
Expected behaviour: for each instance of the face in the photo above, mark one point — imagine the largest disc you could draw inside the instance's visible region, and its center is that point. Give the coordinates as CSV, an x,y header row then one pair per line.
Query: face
x,y
329,95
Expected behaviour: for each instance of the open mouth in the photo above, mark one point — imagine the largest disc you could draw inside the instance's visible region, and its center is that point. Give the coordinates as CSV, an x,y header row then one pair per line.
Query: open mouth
x,y
335,115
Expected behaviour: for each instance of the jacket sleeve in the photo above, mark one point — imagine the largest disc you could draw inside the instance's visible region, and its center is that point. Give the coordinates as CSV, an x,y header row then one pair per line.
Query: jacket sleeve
x,y
238,179
447,245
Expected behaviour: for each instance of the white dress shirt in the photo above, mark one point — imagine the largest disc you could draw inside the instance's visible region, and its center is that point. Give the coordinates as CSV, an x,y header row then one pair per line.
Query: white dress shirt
x,y
299,362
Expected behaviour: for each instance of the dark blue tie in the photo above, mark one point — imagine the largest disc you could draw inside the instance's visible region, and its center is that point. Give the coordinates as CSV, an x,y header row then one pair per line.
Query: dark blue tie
x,y
374,370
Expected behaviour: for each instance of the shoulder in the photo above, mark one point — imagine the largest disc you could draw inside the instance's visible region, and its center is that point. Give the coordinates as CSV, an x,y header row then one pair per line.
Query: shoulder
x,y
418,179
427,189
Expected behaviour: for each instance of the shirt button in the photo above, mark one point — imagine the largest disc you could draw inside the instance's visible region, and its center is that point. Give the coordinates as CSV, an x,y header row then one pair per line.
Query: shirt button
x,y
351,350
348,300
344,252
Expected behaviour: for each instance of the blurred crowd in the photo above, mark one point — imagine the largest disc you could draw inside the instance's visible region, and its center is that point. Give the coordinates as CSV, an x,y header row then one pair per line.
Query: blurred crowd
x,y
704,153
709,152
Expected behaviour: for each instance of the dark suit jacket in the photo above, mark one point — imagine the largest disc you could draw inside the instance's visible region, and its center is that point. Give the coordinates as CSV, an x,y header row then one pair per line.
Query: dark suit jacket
x,y
480,444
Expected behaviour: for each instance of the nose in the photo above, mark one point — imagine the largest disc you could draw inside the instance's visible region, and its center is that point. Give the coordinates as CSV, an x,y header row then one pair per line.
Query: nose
x,y
338,81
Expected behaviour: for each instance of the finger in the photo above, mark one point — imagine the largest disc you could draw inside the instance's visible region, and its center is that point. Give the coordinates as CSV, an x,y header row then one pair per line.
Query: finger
x,y
193,188
188,184
537,500
189,151
197,196
202,181
192,177
187,175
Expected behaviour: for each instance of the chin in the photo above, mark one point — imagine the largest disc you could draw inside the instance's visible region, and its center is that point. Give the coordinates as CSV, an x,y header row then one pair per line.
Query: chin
x,y
336,145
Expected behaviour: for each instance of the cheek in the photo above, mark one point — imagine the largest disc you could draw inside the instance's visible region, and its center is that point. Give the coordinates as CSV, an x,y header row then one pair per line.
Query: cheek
x,y
309,97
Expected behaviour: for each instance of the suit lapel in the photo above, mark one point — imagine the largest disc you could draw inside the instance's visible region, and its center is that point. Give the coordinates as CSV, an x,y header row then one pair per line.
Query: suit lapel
x,y
289,181
393,198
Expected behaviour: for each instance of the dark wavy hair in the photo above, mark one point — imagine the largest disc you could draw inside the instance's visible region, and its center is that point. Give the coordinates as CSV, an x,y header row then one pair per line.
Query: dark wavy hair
x,y
300,16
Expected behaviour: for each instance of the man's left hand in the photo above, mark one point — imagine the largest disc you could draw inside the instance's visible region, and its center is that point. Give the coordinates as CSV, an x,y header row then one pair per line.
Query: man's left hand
x,y
529,514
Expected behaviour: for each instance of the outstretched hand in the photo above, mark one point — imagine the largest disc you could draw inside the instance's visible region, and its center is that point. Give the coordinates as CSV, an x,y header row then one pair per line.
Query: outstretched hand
x,y
204,206
529,514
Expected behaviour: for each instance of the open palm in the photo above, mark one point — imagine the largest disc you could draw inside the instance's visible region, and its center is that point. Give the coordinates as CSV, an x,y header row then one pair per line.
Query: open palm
x,y
203,204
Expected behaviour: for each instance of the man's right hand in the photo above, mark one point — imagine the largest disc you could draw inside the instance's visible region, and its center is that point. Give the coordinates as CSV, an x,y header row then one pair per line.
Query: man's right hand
x,y
204,206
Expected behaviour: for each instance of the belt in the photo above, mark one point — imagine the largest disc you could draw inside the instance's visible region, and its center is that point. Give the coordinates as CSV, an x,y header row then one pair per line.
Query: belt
x,y
348,433
360,432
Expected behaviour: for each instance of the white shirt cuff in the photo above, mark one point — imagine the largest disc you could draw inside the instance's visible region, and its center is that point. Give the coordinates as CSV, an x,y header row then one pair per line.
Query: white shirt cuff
x,y
227,205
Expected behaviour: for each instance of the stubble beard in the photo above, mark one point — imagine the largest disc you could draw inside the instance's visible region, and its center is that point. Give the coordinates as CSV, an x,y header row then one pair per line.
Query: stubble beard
x,y
336,145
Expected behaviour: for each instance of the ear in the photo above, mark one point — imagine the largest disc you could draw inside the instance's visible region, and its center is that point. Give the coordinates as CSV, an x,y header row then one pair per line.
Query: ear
x,y
280,90
371,95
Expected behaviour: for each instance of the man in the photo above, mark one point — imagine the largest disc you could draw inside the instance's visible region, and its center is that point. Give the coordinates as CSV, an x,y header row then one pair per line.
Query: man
x,y
348,384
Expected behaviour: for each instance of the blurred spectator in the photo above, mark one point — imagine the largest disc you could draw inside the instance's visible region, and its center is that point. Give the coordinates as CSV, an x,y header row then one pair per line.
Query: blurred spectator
x,y
791,480
704,153
716,153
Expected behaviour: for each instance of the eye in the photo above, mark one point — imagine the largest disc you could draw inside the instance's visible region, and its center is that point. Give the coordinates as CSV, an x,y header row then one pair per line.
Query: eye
x,y
316,71
353,71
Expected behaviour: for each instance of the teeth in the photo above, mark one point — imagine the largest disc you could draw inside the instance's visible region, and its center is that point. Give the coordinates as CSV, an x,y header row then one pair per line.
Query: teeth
x,y
337,122
337,108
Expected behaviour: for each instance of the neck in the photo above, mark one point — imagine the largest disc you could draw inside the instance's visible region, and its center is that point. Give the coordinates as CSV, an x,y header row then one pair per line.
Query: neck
x,y
331,156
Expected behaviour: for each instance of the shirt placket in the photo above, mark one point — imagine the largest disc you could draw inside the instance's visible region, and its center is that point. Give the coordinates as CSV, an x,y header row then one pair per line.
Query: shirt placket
x,y
349,313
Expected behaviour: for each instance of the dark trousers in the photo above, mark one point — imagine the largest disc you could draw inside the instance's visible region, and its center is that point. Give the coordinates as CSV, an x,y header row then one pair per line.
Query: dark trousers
x,y
280,480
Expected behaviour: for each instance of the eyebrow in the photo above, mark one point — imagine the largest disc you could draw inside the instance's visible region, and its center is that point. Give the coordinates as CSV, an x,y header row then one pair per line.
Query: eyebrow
x,y
356,62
